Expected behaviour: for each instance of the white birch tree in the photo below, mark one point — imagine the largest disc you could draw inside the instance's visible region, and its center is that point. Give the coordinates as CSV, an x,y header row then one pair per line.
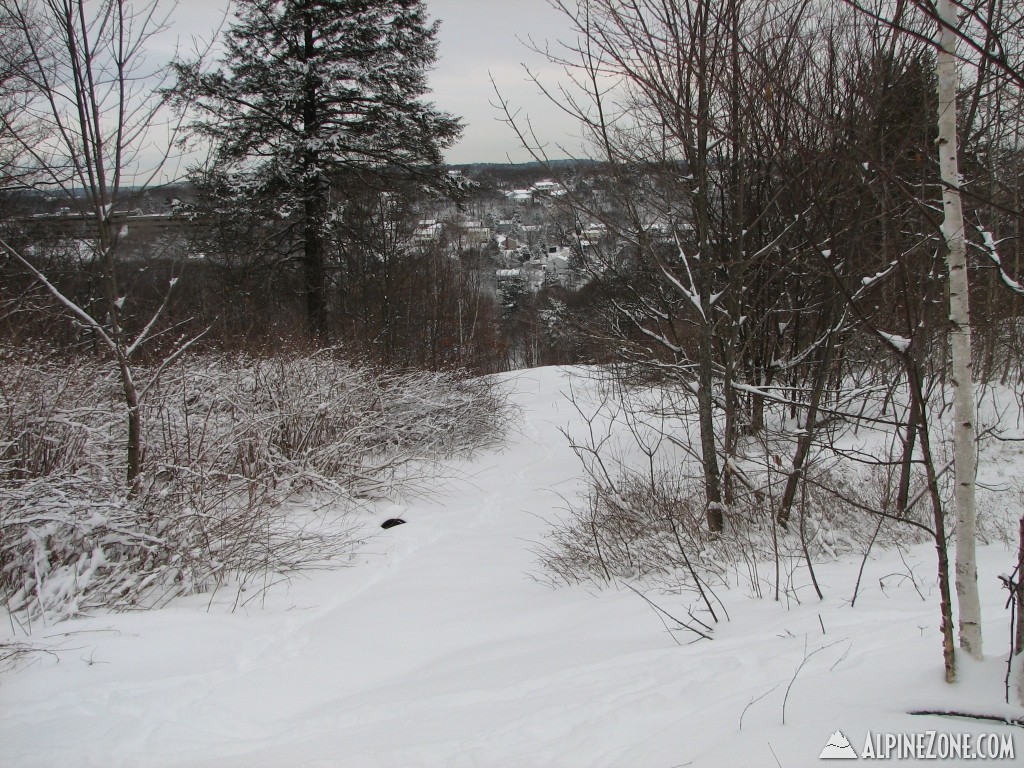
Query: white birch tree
x,y
964,432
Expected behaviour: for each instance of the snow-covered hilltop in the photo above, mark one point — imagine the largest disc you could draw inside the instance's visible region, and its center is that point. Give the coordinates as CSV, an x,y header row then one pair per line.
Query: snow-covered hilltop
x,y
443,645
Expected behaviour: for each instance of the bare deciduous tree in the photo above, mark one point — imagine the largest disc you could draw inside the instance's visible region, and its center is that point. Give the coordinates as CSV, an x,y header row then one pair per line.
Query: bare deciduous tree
x,y
89,117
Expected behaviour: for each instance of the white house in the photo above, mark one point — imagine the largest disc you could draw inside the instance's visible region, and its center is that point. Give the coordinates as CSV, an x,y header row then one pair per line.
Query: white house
x,y
521,196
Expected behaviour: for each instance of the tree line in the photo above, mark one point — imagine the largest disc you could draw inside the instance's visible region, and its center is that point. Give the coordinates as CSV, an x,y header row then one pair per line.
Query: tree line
x,y
829,204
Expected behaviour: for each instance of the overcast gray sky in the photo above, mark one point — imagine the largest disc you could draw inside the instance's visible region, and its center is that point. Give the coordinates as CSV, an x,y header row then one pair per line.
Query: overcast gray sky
x,y
478,39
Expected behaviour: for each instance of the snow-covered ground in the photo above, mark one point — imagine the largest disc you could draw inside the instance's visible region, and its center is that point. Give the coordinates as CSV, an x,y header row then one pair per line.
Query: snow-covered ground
x,y
439,647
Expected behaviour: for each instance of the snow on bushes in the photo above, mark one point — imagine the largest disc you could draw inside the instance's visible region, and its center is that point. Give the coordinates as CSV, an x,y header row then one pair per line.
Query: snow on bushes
x,y
642,513
249,468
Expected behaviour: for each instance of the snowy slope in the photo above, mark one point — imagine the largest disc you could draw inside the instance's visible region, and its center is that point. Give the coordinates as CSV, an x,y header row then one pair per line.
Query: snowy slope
x,y
440,649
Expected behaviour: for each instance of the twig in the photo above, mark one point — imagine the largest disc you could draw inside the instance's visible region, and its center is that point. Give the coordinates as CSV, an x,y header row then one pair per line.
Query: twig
x,y
842,658
662,610
1019,722
1012,584
864,560
805,659
752,702
706,626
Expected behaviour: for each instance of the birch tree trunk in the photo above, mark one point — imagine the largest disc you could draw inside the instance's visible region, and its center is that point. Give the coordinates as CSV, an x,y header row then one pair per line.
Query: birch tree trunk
x,y
964,456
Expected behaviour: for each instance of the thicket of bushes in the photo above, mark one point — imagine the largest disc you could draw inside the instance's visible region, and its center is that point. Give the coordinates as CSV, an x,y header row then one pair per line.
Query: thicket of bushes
x,y
642,512
251,466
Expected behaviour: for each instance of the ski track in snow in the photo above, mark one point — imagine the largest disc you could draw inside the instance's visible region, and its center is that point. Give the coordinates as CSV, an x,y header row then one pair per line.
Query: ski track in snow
x,y
440,649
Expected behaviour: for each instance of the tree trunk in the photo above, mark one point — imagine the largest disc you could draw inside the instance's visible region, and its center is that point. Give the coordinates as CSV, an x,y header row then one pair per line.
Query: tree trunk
x,y
314,198
907,463
705,355
108,236
806,439
964,438
917,402
1018,630
706,417
131,397
699,158
313,268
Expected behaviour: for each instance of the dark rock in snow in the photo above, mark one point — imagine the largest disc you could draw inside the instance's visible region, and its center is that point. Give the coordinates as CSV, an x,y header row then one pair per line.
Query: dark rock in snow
x,y
392,522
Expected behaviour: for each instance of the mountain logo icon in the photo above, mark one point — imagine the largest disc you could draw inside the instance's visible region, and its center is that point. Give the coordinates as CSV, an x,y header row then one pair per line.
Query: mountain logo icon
x,y
838,748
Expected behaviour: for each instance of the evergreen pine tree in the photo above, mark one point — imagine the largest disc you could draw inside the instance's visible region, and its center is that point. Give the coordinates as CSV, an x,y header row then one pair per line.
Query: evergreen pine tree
x,y
309,90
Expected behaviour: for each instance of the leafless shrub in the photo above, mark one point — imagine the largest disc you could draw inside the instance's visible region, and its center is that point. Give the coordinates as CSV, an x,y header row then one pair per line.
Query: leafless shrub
x,y
630,529
14,653
252,465
54,416
316,423
642,513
